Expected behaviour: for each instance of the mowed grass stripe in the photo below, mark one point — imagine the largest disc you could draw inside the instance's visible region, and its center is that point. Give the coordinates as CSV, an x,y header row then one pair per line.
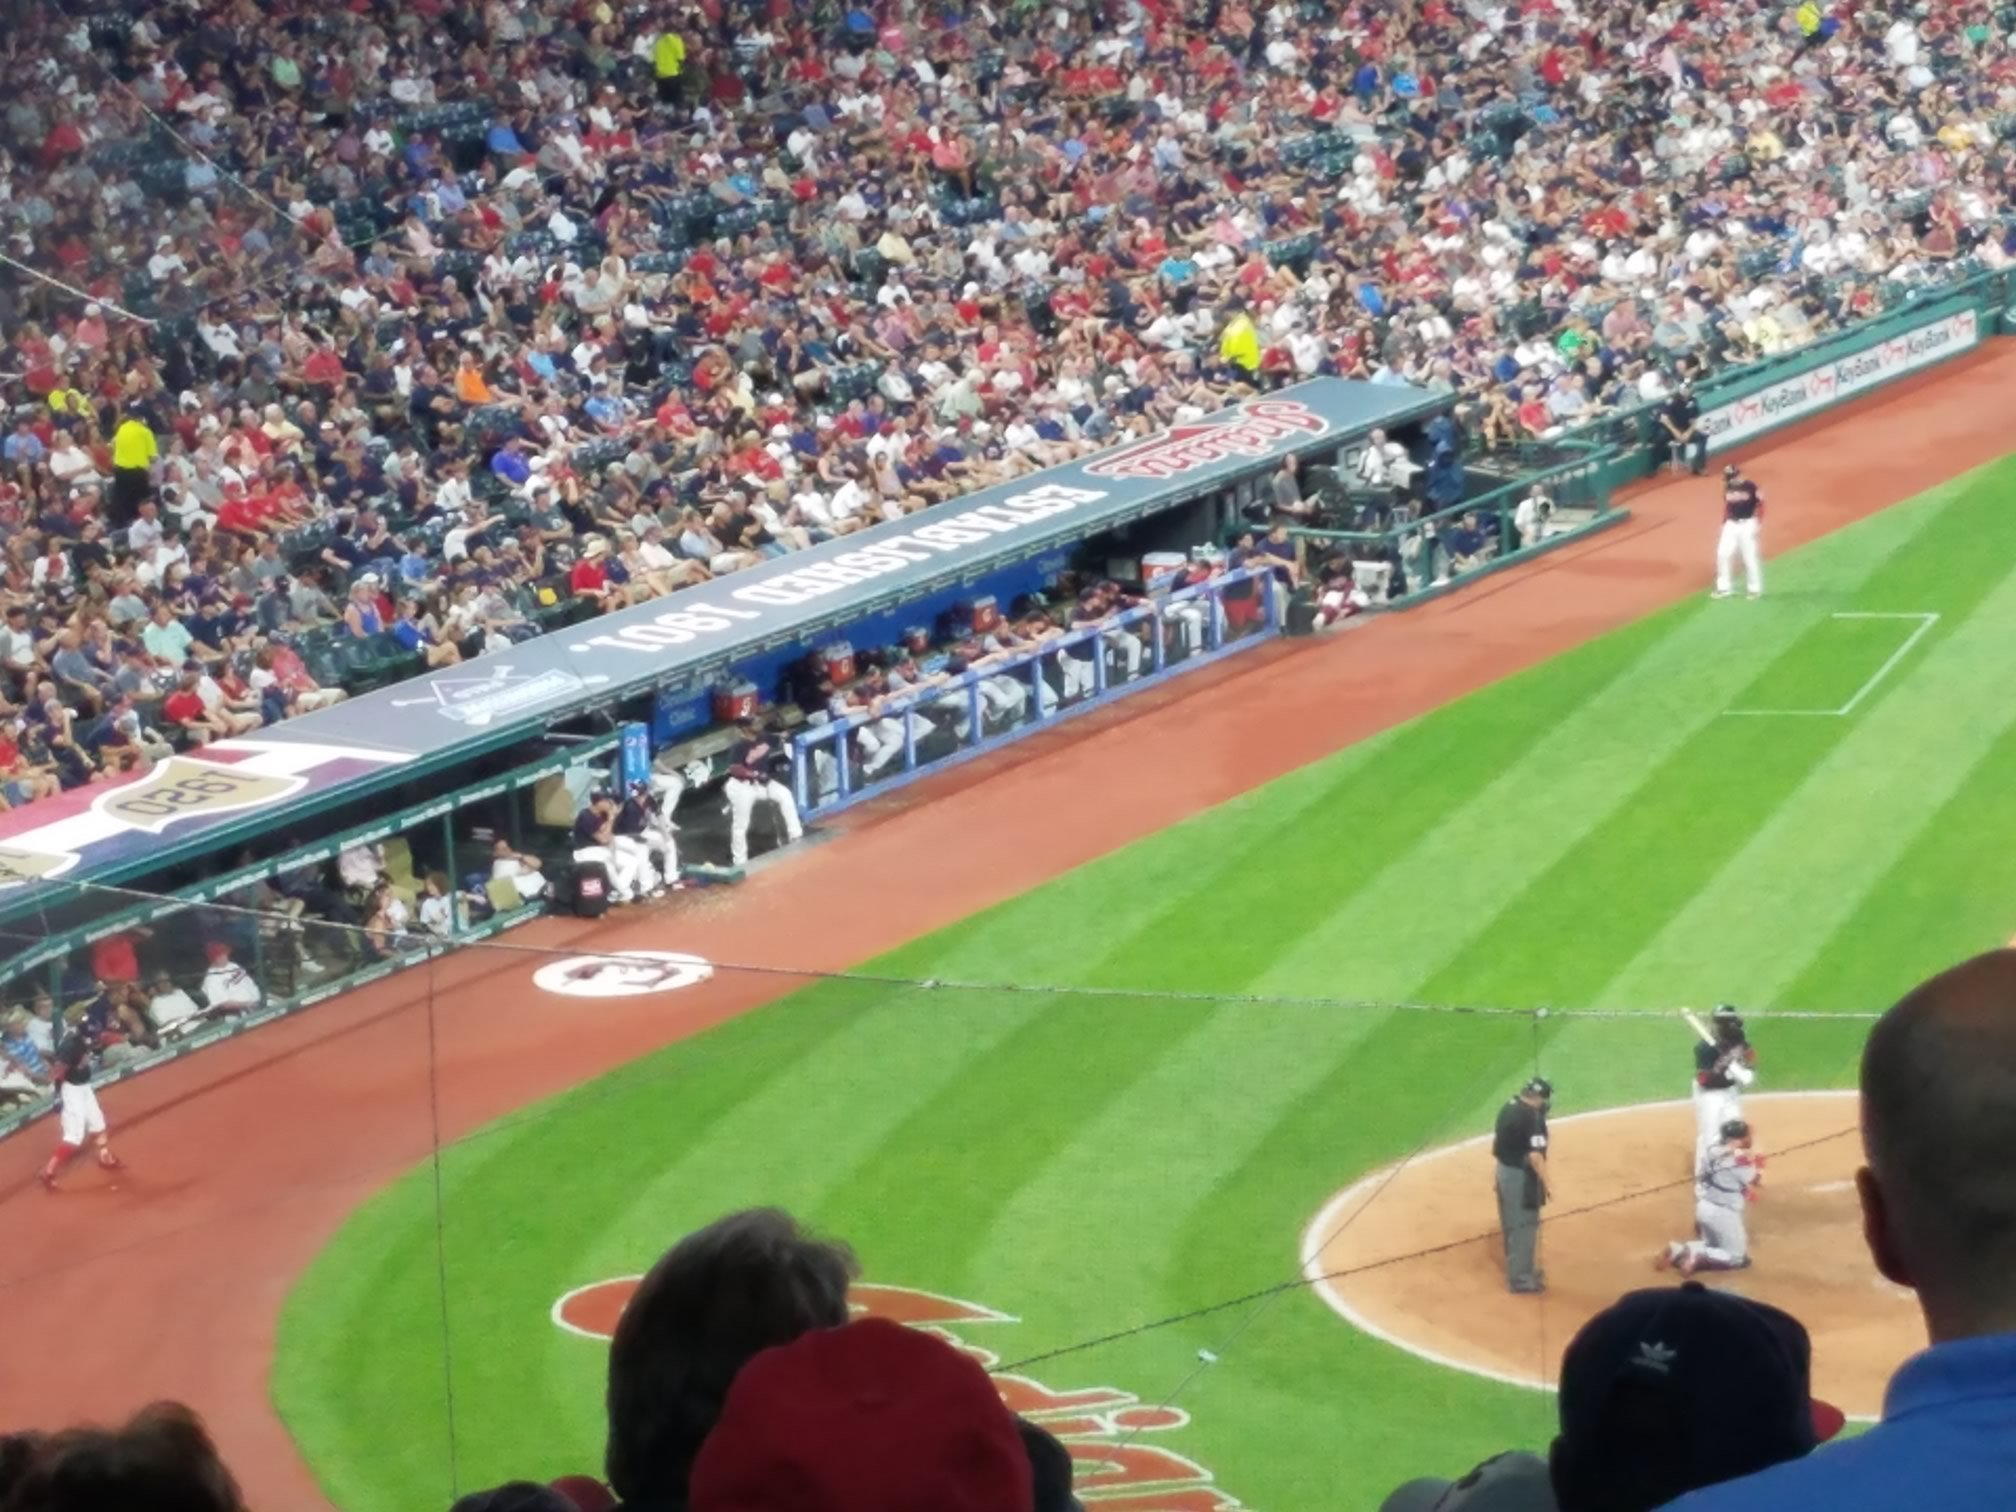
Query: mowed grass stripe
x,y
1372,946
1785,894
1613,891
1949,894
587,1152
1226,888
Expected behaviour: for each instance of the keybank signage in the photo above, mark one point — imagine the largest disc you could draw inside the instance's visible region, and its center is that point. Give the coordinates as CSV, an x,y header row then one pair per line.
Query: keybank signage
x,y
1840,378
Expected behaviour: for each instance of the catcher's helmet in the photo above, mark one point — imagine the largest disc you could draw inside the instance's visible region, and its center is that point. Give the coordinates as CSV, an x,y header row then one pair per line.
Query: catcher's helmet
x,y
1735,1128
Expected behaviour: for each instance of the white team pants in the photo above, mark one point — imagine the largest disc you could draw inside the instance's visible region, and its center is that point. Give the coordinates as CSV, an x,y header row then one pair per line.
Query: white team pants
x,y
1188,618
1004,696
636,850
80,1114
1739,538
1712,1109
1128,644
742,798
881,743
1723,1243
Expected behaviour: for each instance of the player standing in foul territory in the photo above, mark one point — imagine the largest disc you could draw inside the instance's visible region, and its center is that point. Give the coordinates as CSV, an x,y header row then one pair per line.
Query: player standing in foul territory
x,y
1724,1186
77,1107
1722,1069
1742,520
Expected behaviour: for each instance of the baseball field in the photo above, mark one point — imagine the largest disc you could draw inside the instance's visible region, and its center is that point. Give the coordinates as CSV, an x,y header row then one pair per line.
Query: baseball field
x,y
1240,1050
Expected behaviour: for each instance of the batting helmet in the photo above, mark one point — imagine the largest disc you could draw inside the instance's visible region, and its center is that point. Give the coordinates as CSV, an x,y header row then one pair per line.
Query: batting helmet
x,y
1728,1022
1730,471
1735,1128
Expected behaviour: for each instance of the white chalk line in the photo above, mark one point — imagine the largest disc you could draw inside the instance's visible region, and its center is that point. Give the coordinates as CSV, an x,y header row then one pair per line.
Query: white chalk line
x,y
1325,1224
1926,620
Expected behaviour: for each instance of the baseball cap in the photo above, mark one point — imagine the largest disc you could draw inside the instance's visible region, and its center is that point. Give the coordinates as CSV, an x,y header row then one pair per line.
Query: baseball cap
x,y
1511,1482
871,1414
1671,1389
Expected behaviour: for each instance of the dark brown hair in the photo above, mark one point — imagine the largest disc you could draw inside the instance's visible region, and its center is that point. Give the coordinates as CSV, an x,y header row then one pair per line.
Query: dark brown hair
x,y
717,1298
161,1461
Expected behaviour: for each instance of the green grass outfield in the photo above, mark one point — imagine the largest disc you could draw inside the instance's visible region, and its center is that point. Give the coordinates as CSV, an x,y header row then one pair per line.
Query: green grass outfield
x,y
1596,832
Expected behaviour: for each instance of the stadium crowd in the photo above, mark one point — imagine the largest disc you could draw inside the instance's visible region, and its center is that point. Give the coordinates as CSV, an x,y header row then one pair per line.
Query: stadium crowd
x,y
347,341
739,1381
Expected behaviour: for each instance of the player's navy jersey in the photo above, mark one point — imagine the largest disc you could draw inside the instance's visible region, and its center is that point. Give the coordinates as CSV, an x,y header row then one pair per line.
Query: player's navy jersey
x,y
1705,1058
74,1056
1741,500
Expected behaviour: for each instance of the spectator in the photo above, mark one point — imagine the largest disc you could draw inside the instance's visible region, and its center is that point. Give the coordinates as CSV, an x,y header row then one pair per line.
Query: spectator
x,y
519,868
714,1301
227,987
161,1458
1939,1216
173,1011
870,1415
1665,1391
24,1070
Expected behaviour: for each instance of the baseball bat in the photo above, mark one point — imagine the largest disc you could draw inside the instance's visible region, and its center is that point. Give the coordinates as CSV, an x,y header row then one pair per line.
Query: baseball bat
x,y
1694,1023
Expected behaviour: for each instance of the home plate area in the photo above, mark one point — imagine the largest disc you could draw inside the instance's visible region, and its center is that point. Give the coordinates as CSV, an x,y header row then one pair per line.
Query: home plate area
x,y
1413,1256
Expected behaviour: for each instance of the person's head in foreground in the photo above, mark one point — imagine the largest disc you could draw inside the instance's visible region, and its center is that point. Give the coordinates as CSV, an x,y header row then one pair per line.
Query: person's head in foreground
x,y
1939,1135
1665,1391
162,1460
717,1298
873,1415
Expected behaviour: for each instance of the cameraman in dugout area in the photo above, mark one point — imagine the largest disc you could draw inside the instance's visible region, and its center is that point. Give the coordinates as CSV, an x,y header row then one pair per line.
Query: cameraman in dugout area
x,y
1519,1145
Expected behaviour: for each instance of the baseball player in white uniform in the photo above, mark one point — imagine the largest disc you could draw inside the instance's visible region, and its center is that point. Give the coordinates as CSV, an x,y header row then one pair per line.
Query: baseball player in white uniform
x,y
79,1115
1742,524
1721,1071
749,781
1724,1186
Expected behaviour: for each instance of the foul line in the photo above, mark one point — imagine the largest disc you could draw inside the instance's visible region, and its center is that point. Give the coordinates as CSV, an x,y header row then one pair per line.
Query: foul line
x,y
1926,621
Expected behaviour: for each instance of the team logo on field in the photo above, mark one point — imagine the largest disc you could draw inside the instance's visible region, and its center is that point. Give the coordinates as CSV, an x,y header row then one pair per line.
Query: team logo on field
x,y
19,866
1254,430
622,973
1103,1427
185,788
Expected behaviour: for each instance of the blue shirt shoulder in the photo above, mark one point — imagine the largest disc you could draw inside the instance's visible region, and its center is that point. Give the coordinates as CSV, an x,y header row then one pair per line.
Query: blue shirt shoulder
x,y
1947,1439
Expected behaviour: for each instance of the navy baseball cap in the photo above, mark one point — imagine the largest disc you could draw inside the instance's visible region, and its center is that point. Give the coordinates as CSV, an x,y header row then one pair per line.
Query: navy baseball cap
x,y
1672,1389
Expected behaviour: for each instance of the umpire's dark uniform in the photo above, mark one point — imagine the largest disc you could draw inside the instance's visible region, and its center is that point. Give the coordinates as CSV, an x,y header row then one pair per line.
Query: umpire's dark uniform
x,y
1520,1134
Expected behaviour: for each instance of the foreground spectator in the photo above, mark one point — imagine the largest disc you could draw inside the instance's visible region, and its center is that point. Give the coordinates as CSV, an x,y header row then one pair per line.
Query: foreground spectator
x,y
715,1300
1939,1216
872,1415
1663,1392
162,1460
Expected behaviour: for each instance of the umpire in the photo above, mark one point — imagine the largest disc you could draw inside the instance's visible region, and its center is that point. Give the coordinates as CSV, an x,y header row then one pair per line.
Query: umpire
x,y
1519,1144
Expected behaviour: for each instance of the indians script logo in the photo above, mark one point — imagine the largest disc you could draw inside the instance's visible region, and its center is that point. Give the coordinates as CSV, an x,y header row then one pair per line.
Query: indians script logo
x,y
18,866
1104,1428
1251,431
184,788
